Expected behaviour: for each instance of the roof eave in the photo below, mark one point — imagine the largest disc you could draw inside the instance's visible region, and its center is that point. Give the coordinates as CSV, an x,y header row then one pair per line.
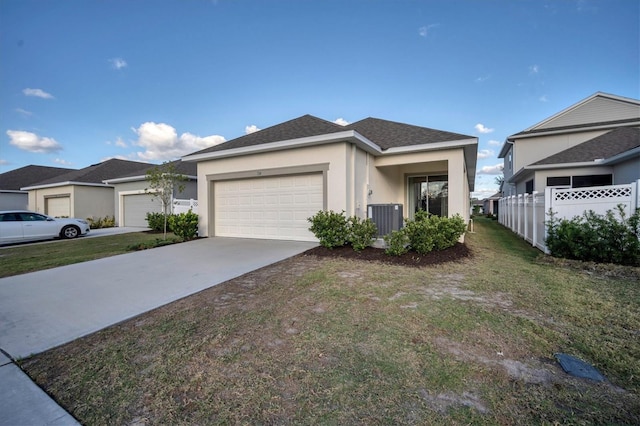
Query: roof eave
x,y
586,128
137,179
635,152
68,183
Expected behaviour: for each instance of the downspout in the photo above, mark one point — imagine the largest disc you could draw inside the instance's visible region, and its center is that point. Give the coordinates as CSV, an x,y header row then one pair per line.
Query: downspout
x,y
352,177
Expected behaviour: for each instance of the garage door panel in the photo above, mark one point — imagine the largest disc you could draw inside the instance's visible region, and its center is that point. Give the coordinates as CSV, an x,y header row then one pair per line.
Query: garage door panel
x,y
268,207
58,206
135,208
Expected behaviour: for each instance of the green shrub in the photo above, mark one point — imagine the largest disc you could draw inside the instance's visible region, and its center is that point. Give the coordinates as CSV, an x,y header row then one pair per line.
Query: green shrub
x,y
156,221
98,223
596,238
330,228
448,231
184,225
362,232
396,243
427,232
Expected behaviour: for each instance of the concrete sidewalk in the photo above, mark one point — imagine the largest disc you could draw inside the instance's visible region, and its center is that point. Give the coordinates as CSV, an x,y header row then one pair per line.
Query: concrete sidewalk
x,y
41,310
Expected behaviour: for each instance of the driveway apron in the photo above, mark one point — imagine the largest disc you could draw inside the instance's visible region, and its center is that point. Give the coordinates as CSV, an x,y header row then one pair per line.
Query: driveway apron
x,y
41,310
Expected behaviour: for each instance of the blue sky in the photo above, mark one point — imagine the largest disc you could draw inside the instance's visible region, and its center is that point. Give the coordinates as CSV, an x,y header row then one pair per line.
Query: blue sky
x,y
151,80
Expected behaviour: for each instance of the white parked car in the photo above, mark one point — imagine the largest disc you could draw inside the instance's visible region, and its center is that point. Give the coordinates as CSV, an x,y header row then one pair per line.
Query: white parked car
x,y
22,225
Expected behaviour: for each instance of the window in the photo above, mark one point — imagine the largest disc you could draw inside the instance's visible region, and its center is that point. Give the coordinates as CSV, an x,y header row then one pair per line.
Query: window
x,y
592,180
430,193
528,187
559,181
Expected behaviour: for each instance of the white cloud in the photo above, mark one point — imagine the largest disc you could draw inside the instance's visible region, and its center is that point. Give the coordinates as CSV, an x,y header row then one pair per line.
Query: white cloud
x,y
424,31
161,142
482,129
31,142
534,69
482,193
118,63
341,121
251,129
493,142
4,162
62,162
38,93
482,79
543,98
486,153
24,112
491,170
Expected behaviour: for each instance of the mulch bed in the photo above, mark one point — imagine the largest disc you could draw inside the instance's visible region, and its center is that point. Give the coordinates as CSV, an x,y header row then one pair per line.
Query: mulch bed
x,y
452,254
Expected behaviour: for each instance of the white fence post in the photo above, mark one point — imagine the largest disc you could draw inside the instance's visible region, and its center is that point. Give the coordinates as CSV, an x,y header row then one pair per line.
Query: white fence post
x,y
526,215
534,218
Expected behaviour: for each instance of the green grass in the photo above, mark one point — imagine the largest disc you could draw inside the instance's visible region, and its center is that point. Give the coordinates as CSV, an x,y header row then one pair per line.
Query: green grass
x,y
36,257
331,341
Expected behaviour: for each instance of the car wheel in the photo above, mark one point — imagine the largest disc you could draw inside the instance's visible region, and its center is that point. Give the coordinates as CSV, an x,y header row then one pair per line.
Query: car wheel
x,y
70,232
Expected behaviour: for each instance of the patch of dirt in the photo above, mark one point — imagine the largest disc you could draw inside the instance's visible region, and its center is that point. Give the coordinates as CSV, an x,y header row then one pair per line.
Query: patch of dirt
x,y
452,254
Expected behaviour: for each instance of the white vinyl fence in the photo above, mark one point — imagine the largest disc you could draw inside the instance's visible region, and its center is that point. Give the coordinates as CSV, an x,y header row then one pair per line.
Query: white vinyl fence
x,y
526,214
183,206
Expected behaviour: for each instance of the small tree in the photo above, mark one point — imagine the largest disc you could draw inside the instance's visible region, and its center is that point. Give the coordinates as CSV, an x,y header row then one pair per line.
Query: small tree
x,y
163,181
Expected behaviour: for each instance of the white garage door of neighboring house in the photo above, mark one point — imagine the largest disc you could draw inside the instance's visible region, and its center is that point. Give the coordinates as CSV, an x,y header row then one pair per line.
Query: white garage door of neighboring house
x,y
269,207
135,208
59,207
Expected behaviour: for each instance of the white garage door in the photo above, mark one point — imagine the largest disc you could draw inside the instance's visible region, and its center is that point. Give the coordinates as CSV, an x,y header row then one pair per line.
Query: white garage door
x,y
59,207
135,208
268,208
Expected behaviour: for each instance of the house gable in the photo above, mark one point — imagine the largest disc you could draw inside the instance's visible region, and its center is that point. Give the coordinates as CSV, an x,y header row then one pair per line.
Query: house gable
x,y
598,110
611,144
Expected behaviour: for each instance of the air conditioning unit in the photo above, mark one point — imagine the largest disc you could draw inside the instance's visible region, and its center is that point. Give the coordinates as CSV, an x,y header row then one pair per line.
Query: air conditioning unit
x,y
387,217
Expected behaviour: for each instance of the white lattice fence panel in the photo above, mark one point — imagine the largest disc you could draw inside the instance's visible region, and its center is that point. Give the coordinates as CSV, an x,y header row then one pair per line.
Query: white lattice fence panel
x,y
568,203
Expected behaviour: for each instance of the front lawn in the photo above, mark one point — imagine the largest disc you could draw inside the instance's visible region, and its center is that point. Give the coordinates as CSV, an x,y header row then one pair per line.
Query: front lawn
x,y
321,340
20,259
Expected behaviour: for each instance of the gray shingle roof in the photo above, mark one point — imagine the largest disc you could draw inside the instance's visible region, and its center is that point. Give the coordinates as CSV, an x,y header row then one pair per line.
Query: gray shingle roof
x,y
385,134
390,134
300,127
97,173
15,179
182,167
605,146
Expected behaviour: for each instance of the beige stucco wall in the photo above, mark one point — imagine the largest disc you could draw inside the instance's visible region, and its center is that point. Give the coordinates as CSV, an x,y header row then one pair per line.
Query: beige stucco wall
x,y
93,201
85,201
389,180
37,197
335,155
353,179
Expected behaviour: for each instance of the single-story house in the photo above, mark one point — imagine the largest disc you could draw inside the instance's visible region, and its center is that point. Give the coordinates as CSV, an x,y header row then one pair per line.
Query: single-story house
x,y
80,193
595,142
132,200
490,204
11,196
266,184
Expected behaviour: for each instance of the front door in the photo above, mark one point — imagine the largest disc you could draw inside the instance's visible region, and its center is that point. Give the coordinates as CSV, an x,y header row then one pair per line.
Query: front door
x,y
429,193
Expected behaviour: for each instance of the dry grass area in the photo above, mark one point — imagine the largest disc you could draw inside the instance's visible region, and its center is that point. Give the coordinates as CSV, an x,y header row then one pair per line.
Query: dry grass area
x,y
321,340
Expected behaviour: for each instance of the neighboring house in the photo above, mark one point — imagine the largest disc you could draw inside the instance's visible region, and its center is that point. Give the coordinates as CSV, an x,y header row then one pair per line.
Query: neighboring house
x,y
11,196
592,143
490,204
80,193
266,184
132,201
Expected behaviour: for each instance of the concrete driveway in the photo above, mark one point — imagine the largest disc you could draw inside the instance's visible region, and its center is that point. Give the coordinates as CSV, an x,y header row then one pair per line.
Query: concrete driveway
x,y
41,310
